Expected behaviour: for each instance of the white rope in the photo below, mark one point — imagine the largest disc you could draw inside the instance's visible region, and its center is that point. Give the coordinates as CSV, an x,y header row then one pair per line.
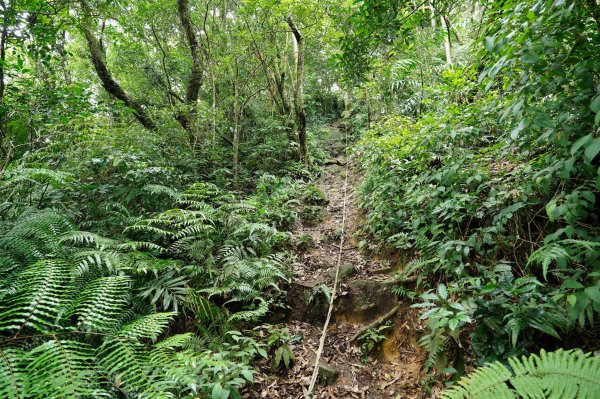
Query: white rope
x,y
315,374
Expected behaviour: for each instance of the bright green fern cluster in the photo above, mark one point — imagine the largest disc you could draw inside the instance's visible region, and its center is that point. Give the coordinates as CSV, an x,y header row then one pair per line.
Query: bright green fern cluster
x,y
229,252
74,322
561,374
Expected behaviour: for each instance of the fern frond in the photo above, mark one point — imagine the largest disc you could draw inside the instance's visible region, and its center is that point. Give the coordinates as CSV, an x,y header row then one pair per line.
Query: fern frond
x,y
100,305
254,314
33,238
54,178
126,358
126,362
12,373
146,327
484,383
62,369
560,374
162,353
561,252
193,230
87,238
140,245
434,344
159,189
38,299
100,259
148,228
202,308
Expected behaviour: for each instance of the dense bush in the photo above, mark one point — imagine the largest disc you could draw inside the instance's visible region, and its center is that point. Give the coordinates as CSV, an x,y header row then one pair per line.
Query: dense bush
x,y
494,194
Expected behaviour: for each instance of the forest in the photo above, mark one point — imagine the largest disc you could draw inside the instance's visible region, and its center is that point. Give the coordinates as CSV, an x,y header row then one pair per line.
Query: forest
x,y
299,199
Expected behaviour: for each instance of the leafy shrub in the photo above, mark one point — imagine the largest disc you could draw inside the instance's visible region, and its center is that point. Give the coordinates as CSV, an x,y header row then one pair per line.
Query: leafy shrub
x,y
492,190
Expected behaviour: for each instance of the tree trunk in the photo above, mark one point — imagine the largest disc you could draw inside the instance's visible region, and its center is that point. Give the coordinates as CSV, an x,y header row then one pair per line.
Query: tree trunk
x,y
3,38
432,15
60,48
195,78
111,85
447,43
299,93
236,124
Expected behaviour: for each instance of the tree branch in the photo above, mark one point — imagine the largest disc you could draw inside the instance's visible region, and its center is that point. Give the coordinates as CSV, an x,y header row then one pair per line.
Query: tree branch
x,y
108,82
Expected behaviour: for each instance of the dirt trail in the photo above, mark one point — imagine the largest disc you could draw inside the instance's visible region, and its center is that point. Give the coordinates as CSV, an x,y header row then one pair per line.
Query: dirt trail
x,y
394,368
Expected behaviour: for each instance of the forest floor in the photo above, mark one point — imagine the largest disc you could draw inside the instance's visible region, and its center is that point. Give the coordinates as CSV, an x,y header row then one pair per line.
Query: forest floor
x,y
394,369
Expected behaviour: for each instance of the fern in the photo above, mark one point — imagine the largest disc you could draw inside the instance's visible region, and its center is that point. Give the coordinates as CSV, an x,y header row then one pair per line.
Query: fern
x,y
32,239
99,306
236,253
20,175
62,369
434,343
12,373
70,327
562,252
37,297
561,374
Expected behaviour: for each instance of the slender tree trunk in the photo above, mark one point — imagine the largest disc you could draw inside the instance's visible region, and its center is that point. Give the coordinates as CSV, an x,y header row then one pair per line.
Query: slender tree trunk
x,y
108,82
447,42
368,103
214,104
60,48
195,78
432,15
299,93
3,38
458,36
236,129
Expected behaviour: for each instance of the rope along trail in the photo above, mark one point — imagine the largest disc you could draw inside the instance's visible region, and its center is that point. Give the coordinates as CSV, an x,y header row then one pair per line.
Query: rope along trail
x,y
313,379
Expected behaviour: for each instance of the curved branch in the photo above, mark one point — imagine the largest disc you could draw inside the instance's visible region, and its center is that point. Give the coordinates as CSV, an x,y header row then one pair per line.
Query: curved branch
x,y
108,82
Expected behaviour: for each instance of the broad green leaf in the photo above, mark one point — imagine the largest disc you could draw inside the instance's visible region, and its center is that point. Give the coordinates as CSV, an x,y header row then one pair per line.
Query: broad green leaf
x,y
453,323
593,293
592,149
595,105
443,291
218,392
489,44
572,284
530,58
581,142
248,375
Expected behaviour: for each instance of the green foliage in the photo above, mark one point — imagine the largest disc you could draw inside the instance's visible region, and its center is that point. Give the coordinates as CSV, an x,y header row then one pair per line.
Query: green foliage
x,y
320,294
279,341
370,339
305,242
560,374
70,326
314,196
445,319
239,257
312,214
488,181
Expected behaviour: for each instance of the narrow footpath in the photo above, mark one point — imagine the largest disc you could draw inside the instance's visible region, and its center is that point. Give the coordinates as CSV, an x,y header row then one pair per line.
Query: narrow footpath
x,y
393,369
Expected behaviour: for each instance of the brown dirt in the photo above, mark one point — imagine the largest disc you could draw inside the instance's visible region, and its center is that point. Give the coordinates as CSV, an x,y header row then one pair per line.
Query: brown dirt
x,y
395,368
